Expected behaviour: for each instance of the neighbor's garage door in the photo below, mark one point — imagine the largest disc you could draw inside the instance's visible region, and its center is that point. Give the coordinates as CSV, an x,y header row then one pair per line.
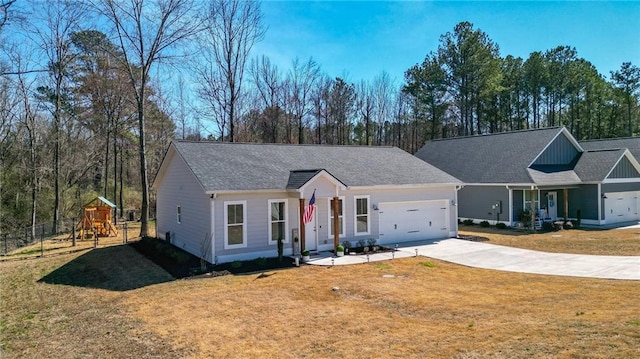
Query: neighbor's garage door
x,y
621,207
412,221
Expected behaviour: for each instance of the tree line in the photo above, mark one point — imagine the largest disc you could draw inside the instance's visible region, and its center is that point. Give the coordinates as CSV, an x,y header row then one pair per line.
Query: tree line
x,y
88,107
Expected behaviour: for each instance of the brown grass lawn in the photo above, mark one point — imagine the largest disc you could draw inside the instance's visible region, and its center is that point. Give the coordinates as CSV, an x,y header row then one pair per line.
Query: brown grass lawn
x,y
621,242
113,303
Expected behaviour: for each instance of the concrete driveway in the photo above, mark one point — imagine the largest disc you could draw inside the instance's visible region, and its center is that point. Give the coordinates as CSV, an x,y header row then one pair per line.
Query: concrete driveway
x,y
491,256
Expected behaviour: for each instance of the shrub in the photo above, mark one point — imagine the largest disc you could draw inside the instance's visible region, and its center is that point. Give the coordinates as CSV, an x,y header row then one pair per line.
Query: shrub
x,y
306,252
346,245
261,261
468,222
547,226
339,248
501,225
236,264
525,218
371,242
280,249
484,224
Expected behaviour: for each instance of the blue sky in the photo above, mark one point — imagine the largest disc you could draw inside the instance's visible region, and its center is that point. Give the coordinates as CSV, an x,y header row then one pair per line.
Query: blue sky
x,y
360,39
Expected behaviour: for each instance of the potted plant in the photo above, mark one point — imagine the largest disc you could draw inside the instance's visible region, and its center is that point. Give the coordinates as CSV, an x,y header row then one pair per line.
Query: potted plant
x,y
347,246
306,255
340,251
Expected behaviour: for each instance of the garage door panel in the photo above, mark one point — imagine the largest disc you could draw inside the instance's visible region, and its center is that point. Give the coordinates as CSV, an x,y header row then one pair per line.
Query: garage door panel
x,y
412,221
622,207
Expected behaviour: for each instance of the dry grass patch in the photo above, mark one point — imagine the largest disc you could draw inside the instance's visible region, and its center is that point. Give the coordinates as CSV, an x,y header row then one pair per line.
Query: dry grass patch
x,y
425,310
619,242
112,302
71,306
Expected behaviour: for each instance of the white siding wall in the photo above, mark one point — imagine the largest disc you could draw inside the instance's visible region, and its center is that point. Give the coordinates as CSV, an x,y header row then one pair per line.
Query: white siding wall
x,y
257,221
256,224
180,188
396,195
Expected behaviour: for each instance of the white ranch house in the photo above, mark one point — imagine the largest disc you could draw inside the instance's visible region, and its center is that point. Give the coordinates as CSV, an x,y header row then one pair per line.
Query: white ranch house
x,y
242,197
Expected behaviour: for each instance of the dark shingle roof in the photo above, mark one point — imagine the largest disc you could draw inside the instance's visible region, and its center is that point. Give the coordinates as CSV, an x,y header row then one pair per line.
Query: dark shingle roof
x,y
242,166
496,158
631,143
298,178
594,166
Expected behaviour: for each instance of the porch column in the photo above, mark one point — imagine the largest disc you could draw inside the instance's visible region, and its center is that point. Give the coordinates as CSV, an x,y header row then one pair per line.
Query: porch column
x,y
336,223
533,210
302,231
565,193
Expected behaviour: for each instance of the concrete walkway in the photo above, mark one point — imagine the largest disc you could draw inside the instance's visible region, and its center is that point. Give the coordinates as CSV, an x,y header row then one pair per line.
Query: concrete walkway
x,y
491,256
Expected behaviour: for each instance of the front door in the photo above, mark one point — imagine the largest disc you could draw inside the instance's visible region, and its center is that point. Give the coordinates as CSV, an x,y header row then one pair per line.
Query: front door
x,y
552,205
310,234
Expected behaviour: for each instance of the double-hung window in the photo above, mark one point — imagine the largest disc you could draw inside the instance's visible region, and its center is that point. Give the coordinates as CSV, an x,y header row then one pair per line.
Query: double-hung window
x,y
527,200
362,218
277,220
235,224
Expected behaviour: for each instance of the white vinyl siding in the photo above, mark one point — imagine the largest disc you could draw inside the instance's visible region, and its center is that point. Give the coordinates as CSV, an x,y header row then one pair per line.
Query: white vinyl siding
x,y
340,216
278,227
235,222
362,220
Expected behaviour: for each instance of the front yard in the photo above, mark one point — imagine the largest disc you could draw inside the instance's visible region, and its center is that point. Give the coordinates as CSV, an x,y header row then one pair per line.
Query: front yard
x,y
112,302
615,242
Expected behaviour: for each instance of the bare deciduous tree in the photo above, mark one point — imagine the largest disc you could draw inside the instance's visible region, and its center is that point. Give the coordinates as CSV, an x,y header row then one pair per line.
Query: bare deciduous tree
x,y
145,32
234,26
62,18
266,78
4,11
300,82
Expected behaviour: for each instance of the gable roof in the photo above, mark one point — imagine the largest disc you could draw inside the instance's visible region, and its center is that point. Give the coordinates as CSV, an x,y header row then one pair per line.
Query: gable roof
x,y
94,202
224,166
632,143
297,179
495,158
595,166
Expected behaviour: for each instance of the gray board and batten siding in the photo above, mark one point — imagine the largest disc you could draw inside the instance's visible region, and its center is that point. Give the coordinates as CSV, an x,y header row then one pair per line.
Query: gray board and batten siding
x,y
482,202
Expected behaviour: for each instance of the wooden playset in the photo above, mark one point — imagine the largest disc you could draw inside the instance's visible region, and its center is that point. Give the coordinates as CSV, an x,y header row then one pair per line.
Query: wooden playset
x,y
97,215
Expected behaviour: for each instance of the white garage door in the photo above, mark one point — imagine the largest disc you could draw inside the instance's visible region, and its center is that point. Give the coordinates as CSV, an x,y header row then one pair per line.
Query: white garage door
x,y
412,221
622,207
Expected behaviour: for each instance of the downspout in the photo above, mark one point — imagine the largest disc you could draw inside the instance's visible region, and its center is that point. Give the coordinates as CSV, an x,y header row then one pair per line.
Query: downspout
x,y
456,204
600,203
510,204
214,259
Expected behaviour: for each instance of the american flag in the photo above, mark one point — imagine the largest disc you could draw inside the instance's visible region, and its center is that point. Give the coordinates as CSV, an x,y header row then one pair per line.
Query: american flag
x,y
308,212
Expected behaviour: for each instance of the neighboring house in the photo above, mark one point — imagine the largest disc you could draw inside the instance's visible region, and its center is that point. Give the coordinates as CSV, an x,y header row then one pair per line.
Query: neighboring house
x,y
242,197
504,172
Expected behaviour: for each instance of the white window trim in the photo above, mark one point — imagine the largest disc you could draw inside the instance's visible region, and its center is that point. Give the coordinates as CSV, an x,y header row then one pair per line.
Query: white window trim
x,y
286,221
344,226
524,200
226,225
355,216
179,215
